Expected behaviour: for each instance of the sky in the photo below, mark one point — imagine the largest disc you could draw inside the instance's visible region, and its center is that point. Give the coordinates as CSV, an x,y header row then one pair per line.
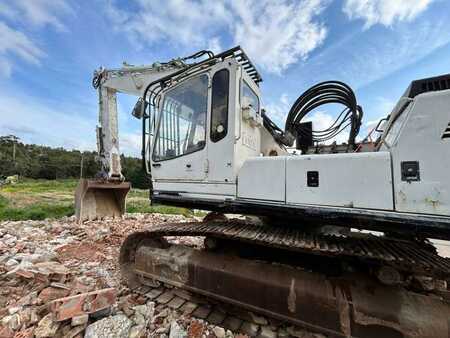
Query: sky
x,y
50,48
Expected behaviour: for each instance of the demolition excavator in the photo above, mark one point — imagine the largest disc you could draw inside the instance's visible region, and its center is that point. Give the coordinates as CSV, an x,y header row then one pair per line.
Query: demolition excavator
x,y
341,242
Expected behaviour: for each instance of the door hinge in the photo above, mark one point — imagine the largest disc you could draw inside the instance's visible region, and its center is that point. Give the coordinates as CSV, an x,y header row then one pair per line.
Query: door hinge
x,y
206,166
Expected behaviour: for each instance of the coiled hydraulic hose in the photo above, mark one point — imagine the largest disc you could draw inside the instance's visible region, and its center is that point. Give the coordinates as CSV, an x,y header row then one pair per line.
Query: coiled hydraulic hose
x,y
316,96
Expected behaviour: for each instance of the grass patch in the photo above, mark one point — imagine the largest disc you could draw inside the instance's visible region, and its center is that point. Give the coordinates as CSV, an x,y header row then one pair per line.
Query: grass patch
x,y
40,199
35,212
41,186
145,207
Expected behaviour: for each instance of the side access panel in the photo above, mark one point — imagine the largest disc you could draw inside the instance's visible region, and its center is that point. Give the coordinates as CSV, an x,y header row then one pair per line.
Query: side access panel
x,y
359,180
263,178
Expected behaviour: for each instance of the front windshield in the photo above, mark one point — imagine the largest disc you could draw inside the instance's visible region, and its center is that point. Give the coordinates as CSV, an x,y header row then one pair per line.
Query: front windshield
x,y
182,122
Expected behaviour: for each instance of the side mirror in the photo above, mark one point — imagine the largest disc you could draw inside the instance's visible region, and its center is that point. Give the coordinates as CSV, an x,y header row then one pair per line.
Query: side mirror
x,y
139,108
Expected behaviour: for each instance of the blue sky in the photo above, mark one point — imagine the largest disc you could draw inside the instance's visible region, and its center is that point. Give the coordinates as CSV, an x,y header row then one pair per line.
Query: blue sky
x,y
50,48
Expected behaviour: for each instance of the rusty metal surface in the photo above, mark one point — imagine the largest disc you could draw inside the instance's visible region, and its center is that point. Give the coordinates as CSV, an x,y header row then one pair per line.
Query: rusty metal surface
x,y
408,256
348,306
351,305
97,199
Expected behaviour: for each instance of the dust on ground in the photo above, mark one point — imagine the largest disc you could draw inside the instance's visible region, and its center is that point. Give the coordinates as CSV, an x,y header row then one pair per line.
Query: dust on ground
x,y
48,268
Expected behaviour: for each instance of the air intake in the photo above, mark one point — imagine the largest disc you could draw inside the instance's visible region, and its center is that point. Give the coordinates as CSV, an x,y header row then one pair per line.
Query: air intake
x,y
432,84
446,133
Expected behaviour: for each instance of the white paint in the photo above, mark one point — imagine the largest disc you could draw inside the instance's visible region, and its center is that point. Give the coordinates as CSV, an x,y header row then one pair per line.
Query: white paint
x,y
360,180
263,178
419,131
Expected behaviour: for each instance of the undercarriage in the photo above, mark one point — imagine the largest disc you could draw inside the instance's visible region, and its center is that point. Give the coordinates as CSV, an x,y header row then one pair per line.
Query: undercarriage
x,y
346,286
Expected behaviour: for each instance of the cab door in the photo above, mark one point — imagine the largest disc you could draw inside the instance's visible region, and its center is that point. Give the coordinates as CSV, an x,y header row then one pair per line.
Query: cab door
x,y
221,125
179,149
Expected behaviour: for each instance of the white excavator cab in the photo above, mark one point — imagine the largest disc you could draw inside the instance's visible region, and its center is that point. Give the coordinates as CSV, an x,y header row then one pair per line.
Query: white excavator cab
x,y
189,127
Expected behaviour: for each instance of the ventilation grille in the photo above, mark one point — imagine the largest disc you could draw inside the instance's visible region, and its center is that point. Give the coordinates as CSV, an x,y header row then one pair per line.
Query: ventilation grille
x,y
432,84
446,133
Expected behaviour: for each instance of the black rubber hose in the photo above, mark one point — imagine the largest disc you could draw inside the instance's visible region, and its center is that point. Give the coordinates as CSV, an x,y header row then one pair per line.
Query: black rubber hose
x,y
321,94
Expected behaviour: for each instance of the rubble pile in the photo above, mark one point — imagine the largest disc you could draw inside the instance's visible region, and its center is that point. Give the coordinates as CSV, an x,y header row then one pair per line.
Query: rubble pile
x,y
61,279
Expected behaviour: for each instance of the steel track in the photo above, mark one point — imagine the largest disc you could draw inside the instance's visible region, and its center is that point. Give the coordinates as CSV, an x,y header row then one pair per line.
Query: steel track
x,y
406,256
349,306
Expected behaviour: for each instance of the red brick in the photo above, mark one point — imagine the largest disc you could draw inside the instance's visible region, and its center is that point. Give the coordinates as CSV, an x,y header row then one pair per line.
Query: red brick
x,y
6,332
51,293
91,302
196,329
28,333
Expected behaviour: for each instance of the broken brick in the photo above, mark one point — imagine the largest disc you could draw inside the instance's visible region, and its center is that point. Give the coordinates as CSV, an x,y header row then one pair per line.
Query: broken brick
x,y
51,293
27,333
91,302
196,329
6,332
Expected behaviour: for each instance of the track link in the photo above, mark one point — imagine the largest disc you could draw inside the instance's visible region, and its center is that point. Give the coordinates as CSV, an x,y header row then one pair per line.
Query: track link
x,y
406,256
351,305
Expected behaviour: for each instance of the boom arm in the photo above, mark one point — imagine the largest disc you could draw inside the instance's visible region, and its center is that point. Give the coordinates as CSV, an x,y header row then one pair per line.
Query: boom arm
x,y
130,80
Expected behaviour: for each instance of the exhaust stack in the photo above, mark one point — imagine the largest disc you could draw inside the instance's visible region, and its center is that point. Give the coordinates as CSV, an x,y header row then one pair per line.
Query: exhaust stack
x,y
98,199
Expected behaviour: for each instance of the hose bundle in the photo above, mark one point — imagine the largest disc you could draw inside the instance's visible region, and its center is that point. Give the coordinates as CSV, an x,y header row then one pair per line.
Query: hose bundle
x,y
318,95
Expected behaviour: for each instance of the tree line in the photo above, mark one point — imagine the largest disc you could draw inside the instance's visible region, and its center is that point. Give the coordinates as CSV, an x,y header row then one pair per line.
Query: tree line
x,y
42,162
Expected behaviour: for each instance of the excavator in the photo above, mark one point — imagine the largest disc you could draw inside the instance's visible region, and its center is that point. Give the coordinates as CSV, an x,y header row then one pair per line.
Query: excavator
x,y
336,238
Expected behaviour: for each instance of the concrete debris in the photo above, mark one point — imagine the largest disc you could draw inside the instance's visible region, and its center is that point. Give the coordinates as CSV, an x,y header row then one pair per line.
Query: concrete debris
x,y
116,326
47,327
80,320
59,278
219,332
177,331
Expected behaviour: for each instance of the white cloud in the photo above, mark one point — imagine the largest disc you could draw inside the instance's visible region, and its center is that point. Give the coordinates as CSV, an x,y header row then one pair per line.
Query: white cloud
x,y
214,45
321,120
279,34
130,144
363,59
37,12
7,11
184,22
384,107
16,44
277,111
68,129
384,12
275,35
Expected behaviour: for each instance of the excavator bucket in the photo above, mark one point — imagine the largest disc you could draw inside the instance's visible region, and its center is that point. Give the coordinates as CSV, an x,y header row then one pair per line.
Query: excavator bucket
x,y
97,199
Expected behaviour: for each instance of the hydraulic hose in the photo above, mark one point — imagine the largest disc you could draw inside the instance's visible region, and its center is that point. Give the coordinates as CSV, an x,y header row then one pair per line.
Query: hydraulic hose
x,y
316,96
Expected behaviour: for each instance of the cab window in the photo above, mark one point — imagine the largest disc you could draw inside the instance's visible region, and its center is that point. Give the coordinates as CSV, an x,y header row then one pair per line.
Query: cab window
x,y
182,124
219,105
250,94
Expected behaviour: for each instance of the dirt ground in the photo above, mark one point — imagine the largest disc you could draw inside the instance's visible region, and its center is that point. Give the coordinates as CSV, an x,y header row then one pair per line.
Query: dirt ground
x,y
44,261
50,270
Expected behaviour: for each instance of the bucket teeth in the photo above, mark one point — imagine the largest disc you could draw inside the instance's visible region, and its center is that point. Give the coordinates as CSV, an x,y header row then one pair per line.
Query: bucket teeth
x,y
97,199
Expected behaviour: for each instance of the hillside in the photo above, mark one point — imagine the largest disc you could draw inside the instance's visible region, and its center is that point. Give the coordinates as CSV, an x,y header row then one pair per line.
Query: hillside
x,y
41,162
